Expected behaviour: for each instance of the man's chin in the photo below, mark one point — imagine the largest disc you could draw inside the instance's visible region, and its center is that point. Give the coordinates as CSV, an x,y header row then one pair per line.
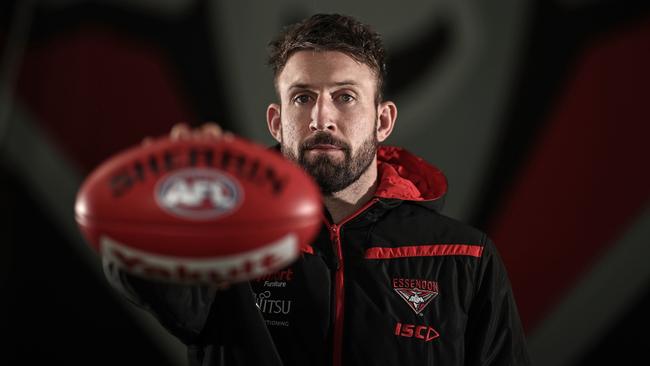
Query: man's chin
x,y
323,167
331,155
318,158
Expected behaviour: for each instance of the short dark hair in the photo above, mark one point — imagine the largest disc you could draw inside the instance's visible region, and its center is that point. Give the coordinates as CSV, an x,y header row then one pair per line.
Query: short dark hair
x,y
331,32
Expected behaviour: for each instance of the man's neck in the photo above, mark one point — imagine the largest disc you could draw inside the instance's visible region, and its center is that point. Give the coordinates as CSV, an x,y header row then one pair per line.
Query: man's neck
x,y
344,203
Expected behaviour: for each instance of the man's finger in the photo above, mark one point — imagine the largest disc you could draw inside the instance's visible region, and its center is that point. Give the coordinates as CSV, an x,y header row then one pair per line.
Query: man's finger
x,y
180,131
211,129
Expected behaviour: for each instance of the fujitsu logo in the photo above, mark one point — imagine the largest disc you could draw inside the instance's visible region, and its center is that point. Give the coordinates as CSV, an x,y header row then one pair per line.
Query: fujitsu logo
x,y
416,292
267,305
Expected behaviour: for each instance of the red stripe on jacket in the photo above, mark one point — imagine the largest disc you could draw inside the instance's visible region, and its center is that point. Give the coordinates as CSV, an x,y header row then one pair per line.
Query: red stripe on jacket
x,y
434,250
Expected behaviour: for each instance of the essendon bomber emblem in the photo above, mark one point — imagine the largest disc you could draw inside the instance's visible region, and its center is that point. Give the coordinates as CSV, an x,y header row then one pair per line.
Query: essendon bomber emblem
x,y
417,293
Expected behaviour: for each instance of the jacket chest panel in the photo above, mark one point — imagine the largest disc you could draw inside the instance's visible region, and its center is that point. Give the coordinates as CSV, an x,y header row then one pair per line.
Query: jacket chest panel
x,y
412,289
297,297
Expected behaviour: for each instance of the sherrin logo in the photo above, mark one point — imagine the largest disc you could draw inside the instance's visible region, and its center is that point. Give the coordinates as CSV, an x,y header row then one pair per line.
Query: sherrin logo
x,y
198,193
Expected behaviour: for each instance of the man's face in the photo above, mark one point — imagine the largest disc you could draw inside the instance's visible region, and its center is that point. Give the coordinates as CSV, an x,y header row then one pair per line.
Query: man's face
x,y
328,117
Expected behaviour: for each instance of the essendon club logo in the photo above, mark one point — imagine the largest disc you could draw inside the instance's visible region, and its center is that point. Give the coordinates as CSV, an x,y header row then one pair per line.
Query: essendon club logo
x,y
417,293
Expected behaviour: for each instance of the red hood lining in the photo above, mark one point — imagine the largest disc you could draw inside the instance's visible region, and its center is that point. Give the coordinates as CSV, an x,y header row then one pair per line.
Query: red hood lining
x,y
405,176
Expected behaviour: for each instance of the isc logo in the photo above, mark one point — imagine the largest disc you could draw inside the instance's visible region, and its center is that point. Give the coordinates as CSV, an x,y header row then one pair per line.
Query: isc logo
x,y
423,332
198,194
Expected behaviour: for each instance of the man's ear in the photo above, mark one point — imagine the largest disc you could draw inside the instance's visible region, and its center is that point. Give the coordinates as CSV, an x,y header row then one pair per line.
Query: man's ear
x,y
386,116
273,121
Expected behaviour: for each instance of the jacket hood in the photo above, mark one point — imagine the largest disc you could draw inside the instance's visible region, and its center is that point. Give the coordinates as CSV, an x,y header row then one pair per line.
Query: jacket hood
x,y
405,176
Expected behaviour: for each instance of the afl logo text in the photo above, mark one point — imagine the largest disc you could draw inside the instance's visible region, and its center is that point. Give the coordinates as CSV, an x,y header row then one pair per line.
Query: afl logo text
x,y
198,194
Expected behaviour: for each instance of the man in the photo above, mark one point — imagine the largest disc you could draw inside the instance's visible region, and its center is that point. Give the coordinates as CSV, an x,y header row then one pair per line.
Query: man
x,y
389,280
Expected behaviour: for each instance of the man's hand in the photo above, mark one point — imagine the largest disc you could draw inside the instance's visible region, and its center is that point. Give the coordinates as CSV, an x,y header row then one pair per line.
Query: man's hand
x,y
182,131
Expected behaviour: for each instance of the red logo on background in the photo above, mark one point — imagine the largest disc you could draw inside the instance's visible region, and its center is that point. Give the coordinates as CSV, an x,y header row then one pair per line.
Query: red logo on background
x,y
417,293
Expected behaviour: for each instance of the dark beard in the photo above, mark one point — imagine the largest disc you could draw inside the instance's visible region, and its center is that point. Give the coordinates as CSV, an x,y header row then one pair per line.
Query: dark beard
x,y
333,176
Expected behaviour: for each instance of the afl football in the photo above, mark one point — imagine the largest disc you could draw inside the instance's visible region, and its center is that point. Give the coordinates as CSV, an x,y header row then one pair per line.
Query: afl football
x,y
199,211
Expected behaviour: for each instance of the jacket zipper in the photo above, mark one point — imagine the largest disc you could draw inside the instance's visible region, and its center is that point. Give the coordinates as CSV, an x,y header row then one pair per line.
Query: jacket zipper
x,y
339,288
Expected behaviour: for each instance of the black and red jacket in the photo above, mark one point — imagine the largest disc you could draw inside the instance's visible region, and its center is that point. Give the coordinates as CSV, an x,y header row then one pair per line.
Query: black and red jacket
x,y
395,283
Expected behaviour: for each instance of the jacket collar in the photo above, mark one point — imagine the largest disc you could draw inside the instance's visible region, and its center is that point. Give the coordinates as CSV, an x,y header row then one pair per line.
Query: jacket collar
x,y
405,176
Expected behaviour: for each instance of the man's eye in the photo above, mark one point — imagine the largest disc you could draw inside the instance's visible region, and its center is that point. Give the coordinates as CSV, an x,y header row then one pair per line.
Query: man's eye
x,y
346,98
301,99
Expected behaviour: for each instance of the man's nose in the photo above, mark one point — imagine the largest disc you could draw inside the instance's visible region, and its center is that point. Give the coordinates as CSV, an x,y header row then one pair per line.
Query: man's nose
x,y
323,115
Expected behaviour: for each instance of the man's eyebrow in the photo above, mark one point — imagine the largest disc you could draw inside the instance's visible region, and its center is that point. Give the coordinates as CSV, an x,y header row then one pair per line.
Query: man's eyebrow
x,y
308,86
299,86
346,83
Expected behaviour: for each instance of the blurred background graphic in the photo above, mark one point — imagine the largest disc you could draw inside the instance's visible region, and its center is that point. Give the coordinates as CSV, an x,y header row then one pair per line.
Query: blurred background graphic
x,y
536,110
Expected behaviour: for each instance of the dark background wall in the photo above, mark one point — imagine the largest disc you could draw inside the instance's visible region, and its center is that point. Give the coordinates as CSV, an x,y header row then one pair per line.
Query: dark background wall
x,y
536,110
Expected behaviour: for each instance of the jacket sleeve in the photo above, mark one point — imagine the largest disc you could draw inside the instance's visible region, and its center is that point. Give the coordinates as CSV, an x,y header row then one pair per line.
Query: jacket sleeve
x,y
182,310
203,318
494,332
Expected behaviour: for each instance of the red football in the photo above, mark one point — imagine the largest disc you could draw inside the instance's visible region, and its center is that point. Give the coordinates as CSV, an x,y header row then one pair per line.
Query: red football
x,y
199,210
